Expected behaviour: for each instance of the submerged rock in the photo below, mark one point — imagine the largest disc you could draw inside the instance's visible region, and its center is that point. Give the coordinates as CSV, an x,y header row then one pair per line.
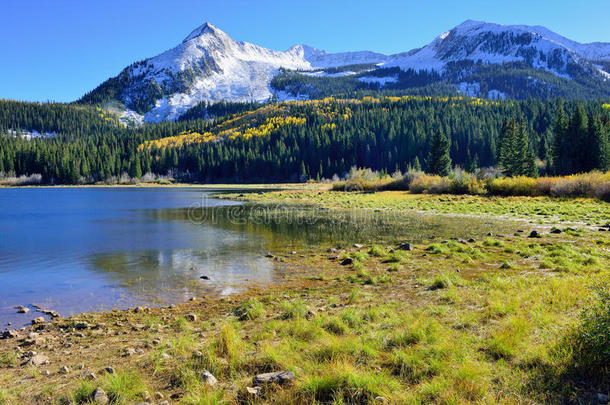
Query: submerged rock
x,y
22,310
347,261
405,246
9,334
38,321
81,326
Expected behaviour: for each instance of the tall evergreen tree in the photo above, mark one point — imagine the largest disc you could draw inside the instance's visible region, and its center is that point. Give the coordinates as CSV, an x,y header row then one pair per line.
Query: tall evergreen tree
x,y
561,144
439,161
517,157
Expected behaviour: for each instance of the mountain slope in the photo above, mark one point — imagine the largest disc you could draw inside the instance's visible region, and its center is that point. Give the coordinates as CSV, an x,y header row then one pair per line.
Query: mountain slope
x,y
474,58
209,65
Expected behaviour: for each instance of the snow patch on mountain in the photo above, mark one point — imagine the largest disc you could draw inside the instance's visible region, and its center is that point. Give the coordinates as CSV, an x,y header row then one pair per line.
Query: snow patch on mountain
x,y
318,58
382,81
469,89
322,73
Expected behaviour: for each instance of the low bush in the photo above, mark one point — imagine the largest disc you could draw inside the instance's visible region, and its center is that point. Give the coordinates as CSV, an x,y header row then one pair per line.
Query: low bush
x,y
590,339
594,184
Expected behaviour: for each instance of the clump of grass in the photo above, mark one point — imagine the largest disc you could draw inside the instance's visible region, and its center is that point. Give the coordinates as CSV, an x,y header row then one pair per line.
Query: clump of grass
x,y
249,310
416,365
506,265
360,256
341,383
335,325
333,348
358,266
377,251
366,278
301,329
395,257
8,359
437,248
445,280
182,344
294,309
206,397
123,386
354,296
394,267
83,392
405,337
506,341
493,242
228,343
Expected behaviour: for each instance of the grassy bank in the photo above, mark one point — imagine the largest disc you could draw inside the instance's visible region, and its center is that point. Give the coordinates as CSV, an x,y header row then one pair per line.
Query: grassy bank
x,y
588,212
496,319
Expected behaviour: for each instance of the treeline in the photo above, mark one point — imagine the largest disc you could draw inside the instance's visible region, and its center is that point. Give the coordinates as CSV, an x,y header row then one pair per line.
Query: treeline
x,y
56,118
209,110
385,134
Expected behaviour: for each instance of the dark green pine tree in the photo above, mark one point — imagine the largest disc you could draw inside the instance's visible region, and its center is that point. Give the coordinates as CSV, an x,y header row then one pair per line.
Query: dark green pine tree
x,y
578,133
516,156
561,144
439,161
599,145
416,164
135,169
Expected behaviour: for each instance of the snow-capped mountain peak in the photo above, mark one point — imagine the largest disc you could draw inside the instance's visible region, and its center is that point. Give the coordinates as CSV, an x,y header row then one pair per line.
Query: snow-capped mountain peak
x,y
496,43
209,65
206,28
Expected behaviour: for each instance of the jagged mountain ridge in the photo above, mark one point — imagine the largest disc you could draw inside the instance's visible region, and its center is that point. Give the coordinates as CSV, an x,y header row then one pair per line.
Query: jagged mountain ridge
x,y
494,43
209,65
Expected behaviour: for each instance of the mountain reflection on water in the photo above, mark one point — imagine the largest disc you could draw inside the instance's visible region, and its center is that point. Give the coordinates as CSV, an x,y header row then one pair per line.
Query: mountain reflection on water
x,y
81,249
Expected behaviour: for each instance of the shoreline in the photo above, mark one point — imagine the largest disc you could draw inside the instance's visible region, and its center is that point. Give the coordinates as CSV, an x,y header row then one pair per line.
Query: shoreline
x,y
176,185
359,327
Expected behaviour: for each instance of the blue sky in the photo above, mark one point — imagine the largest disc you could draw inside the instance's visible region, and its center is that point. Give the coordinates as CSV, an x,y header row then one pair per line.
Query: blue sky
x,y
58,50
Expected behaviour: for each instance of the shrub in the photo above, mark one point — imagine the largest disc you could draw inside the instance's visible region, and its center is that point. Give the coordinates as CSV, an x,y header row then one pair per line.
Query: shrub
x,y
486,181
590,340
430,184
519,185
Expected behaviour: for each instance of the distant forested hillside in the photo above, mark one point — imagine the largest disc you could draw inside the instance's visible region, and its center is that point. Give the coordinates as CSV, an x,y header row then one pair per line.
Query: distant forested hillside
x,y
294,141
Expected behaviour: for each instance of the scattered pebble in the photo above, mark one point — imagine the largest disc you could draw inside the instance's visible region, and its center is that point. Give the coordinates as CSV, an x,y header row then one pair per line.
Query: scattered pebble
x,y
208,378
99,396
279,377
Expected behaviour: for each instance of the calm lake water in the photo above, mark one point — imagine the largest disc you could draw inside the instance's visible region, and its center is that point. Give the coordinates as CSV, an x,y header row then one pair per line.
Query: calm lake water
x,y
80,249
